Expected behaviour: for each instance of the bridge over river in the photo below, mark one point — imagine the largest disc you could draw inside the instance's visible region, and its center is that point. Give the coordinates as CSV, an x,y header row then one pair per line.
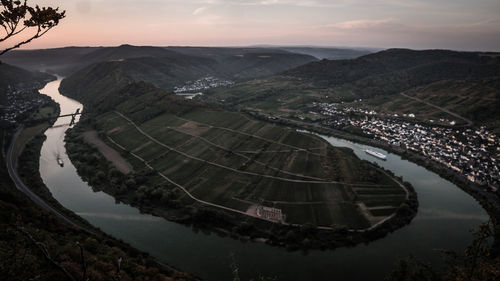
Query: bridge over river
x,y
73,116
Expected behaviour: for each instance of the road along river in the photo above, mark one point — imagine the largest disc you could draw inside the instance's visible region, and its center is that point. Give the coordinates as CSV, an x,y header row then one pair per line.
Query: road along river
x,y
445,216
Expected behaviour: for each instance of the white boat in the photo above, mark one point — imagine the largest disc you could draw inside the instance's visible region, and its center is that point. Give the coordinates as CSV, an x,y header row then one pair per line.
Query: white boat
x,y
376,154
60,162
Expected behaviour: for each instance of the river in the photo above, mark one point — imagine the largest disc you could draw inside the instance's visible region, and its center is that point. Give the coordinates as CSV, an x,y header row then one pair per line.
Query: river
x,y
445,216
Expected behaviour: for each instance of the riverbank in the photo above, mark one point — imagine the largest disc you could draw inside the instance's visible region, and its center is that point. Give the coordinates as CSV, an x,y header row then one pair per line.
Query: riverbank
x,y
74,243
30,174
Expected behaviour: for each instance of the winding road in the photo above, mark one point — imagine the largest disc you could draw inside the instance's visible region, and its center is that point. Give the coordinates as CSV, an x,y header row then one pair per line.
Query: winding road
x,y
11,162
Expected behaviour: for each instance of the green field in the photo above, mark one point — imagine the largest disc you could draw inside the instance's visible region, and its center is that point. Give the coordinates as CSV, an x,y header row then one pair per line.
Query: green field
x,y
239,163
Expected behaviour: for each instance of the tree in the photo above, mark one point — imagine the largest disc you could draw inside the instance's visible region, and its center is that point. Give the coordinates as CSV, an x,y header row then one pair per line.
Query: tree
x,y
17,17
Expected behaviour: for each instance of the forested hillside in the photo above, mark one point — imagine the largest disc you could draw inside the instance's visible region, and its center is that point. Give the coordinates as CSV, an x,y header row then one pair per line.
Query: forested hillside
x,y
380,76
165,67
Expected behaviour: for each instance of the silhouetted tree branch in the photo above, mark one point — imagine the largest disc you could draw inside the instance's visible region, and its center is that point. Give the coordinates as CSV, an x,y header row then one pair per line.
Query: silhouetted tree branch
x,y
17,16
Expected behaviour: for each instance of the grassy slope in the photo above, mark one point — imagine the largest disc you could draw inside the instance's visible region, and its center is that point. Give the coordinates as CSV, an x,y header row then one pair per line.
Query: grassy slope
x,y
328,203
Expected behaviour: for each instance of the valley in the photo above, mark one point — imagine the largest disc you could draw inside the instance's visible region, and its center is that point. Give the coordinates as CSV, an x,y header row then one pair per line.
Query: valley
x,y
249,140
187,248
231,164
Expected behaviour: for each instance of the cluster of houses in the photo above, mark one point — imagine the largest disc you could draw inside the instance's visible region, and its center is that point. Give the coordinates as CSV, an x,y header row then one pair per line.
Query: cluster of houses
x,y
19,102
474,153
204,83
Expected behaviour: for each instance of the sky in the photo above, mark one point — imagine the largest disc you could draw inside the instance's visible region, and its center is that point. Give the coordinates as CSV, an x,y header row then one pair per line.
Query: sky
x,y
417,24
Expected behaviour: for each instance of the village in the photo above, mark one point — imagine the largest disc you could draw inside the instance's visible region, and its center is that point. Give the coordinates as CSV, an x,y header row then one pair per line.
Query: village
x,y
472,152
204,83
19,102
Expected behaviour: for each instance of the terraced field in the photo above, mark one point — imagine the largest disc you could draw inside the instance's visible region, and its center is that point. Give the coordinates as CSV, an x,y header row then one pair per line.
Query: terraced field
x,y
230,161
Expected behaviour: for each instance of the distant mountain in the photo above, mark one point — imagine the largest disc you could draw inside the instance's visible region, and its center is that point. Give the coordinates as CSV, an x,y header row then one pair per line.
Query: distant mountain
x,y
71,59
233,63
103,86
168,68
395,70
223,52
247,63
329,53
58,60
251,65
126,52
18,77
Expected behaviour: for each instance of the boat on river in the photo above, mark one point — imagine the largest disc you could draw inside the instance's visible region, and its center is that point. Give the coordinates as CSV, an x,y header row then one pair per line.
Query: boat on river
x,y
60,161
376,154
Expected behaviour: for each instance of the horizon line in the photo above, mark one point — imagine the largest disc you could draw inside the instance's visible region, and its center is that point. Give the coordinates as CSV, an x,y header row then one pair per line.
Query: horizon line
x,y
376,49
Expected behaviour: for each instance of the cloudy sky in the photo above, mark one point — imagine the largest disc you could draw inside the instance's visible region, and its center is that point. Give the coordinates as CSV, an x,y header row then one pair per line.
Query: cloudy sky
x,y
419,24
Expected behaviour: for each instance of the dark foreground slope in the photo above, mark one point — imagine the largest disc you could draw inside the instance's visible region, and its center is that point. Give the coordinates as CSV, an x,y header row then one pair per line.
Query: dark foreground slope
x,y
36,244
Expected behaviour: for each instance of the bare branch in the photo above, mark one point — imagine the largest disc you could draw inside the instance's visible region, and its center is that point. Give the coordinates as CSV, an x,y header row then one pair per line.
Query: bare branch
x,y
46,253
84,264
118,276
15,12
37,35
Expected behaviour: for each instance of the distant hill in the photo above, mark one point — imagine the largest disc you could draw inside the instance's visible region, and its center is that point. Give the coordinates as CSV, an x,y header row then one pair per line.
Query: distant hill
x,y
57,60
396,70
167,68
387,72
475,99
329,53
126,52
317,52
230,63
70,59
103,86
15,76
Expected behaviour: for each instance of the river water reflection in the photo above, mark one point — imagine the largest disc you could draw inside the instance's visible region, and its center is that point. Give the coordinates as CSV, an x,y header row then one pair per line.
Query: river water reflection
x,y
445,216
